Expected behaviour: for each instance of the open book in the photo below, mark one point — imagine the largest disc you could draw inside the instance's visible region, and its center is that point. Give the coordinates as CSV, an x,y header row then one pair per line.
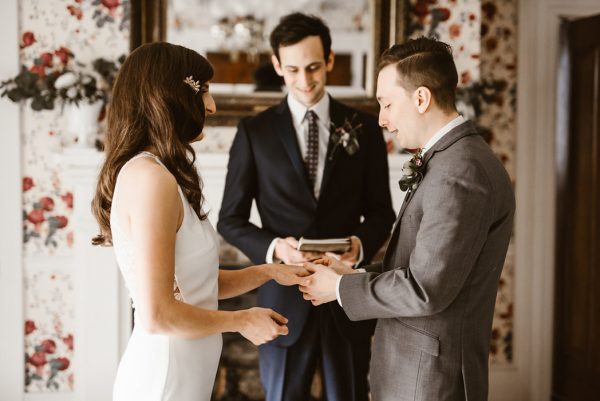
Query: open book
x,y
324,245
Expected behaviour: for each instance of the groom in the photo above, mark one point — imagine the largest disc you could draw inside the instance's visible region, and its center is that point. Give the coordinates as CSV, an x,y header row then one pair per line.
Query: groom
x,y
434,292
307,182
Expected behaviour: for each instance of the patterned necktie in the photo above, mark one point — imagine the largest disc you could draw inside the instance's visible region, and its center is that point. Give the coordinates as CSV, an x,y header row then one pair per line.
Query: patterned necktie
x,y
311,160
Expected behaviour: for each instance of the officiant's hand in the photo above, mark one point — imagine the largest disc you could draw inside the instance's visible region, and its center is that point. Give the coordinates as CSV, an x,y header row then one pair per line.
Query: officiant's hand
x,y
286,251
350,257
320,286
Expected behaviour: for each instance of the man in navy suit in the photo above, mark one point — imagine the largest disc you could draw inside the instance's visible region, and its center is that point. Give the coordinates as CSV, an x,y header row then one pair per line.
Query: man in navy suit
x,y
309,178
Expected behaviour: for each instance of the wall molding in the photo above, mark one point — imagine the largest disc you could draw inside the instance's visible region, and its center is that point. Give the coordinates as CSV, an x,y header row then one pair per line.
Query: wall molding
x,y
11,243
536,192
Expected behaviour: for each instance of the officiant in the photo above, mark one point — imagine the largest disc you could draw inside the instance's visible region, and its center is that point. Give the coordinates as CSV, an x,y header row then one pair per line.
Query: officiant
x,y
316,168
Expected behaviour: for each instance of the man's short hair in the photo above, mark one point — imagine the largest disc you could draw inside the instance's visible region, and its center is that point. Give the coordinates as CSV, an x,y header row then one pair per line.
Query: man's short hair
x,y
293,28
425,62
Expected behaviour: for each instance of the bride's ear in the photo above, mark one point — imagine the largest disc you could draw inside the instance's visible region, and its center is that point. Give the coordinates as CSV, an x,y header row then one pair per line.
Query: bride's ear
x,y
276,65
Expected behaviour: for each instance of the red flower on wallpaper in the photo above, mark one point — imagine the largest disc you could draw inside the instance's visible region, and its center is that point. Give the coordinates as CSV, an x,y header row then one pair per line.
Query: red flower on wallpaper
x,y
36,216
465,78
75,11
47,203
421,8
48,346
440,14
63,54
39,69
27,39
37,359
29,326
489,10
58,221
491,44
46,59
454,31
111,4
27,183
60,363
68,340
68,199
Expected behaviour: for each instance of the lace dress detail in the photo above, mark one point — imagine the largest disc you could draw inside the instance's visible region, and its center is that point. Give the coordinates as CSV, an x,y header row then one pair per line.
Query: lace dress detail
x,y
156,367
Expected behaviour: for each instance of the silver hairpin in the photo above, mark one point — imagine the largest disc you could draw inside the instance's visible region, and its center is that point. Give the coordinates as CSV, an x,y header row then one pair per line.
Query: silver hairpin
x,y
195,85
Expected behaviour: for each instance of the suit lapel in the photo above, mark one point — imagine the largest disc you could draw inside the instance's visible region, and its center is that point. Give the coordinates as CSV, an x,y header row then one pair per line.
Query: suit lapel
x,y
391,249
465,129
287,133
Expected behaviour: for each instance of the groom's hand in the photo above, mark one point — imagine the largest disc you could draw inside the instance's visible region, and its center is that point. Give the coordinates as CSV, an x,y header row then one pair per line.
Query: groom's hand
x,y
285,250
320,286
350,257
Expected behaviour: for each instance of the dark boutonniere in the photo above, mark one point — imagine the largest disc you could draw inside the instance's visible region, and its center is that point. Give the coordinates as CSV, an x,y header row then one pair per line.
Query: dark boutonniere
x,y
345,136
412,172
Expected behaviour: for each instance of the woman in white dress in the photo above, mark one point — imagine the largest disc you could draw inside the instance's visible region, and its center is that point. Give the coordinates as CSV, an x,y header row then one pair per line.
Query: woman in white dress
x,y
148,204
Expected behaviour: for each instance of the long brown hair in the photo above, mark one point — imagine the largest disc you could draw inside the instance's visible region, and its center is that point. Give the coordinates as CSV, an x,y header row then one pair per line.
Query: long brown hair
x,y
153,106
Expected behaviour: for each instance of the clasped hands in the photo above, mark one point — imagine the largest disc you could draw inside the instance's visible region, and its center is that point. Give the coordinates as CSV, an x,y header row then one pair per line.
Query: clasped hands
x,y
318,282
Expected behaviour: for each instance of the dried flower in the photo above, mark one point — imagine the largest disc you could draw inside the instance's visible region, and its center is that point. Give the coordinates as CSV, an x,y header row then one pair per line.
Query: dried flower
x,y
412,172
346,136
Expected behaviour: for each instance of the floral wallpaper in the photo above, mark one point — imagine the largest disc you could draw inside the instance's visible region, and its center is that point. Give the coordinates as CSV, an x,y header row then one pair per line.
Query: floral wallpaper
x,y
56,36
499,97
49,331
484,41
455,22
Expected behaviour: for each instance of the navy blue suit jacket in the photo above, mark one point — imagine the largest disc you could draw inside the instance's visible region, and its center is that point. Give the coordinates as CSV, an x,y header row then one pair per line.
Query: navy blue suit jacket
x,y
265,164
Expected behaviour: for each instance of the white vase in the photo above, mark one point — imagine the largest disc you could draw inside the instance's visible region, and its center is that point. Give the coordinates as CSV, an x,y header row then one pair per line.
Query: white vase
x,y
82,122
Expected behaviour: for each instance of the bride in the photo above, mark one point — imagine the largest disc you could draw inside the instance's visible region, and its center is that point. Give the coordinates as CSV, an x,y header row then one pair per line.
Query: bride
x,y
148,204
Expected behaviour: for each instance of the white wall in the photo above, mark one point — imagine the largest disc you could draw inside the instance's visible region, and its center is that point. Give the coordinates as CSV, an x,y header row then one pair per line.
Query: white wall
x,y
11,271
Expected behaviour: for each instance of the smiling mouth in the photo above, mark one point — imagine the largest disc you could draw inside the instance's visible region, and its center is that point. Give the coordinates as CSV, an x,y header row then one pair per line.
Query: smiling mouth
x,y
307,90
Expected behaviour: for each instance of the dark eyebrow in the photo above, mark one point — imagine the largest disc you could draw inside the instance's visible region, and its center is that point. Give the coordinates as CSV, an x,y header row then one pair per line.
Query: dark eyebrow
x,y
316,63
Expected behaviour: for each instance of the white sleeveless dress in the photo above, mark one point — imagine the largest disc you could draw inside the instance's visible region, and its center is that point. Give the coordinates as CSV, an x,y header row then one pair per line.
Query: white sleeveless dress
x,y
157,367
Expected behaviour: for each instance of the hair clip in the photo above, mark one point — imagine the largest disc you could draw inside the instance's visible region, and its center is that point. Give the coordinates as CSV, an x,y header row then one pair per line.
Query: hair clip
x,y
195,85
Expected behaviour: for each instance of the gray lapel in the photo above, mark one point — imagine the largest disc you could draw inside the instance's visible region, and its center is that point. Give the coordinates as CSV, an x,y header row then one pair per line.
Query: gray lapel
x,y
465,129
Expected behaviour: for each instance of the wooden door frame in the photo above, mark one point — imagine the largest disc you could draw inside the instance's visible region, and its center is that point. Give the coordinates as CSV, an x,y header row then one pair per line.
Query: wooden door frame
x,y
536,187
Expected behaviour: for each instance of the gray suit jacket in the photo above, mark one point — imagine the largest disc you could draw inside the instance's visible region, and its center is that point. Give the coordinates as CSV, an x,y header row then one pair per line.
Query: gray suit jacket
x,y
434,292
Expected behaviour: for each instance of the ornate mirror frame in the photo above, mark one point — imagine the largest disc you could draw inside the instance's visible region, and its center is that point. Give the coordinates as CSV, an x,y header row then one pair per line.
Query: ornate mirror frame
x,y
149,24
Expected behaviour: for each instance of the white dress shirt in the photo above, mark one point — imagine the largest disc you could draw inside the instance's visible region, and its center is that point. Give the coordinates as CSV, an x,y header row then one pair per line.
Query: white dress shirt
x,y
432,141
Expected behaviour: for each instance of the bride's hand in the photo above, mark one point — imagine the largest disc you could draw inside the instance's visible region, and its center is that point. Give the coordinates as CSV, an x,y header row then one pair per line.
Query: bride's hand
x,y
286,274
260,325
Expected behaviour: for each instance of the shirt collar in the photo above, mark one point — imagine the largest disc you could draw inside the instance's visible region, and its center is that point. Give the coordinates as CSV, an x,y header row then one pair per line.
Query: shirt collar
x,y
443,131
298,110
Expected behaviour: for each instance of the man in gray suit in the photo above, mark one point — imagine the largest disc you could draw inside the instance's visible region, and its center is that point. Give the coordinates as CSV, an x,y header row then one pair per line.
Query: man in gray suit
x,y
434,292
